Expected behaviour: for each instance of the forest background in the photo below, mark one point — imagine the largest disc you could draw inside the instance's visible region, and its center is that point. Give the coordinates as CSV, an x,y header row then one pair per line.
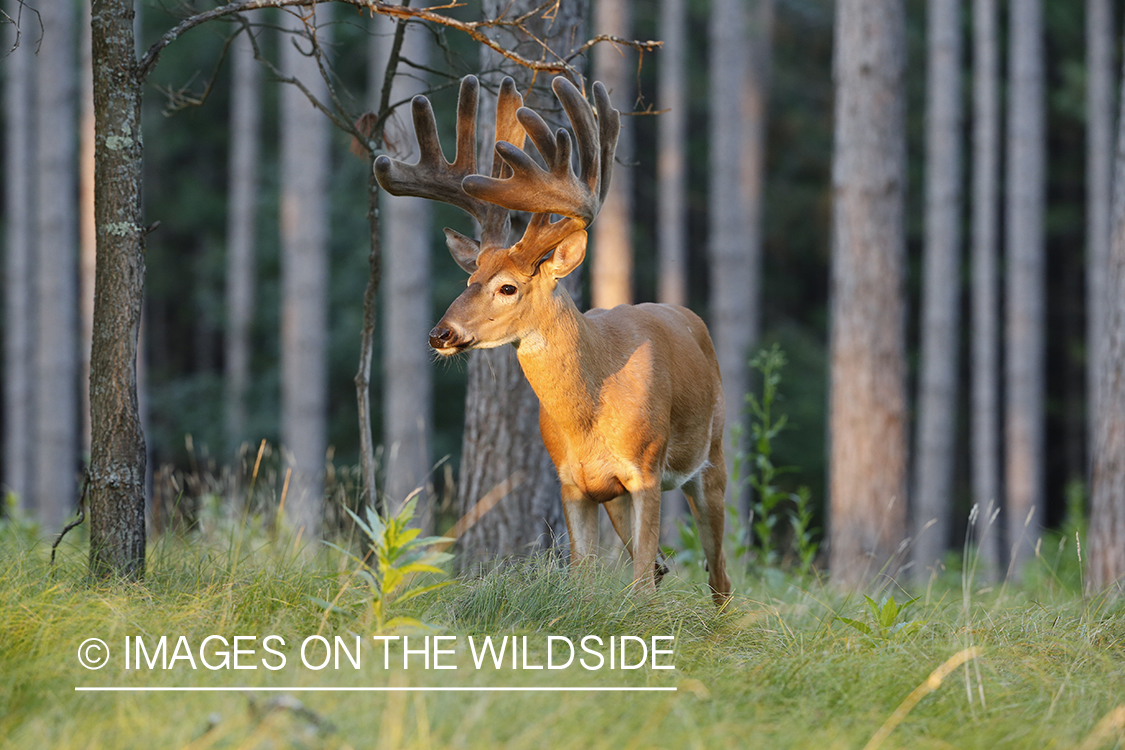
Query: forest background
x,y
186,396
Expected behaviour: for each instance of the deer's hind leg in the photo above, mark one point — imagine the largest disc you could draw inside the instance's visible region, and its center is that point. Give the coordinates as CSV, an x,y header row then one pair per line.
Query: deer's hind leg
x,y
705,493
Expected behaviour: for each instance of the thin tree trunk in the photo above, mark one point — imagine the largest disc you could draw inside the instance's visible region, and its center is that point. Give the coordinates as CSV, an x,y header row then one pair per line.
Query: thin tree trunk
x,y
985,302
304,272
19,268
501,440
671,169
671,157
1099,176
941,293
867,461
87,231
739,55
1106,562
1025,288
242,217
56,277
117,454
611,251
407,312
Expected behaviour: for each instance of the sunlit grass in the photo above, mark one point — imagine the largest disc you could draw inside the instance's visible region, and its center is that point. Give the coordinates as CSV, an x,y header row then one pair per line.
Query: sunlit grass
x,y
775,669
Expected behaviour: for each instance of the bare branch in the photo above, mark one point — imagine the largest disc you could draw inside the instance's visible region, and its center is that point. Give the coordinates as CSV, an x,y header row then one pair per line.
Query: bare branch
x,y
473,29
19,28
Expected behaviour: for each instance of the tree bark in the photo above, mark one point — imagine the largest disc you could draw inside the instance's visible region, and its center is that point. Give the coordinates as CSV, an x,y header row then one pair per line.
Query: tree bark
x,y
1025,287
672,197
501,439
867,419
56,234
407,312
1106,563
19,269
985,301
117,455
941,292
611,247
739,69
242,217
304,272
1100,55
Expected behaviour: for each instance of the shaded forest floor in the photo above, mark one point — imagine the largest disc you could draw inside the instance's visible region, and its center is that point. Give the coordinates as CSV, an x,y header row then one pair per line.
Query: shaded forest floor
x,y
1042,665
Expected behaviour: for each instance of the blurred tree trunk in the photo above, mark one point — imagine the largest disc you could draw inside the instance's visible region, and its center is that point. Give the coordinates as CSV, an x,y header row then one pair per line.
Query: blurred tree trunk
x,y
985,301
739,68
867,420
1106,564
117,454
242,217
611,249
304,269
1025,292
56,277
19,264
501,440
407,312
672,197
87,230
941,292
1100,55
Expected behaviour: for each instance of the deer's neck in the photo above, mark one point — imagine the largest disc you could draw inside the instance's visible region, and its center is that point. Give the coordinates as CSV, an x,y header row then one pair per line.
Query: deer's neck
x,y
560,360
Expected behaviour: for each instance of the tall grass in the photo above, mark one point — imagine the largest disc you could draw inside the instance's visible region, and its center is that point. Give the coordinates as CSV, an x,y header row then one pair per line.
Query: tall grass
x,y
774,669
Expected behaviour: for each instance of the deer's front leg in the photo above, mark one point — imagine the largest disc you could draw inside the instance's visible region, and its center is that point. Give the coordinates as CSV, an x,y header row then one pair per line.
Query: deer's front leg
x,y
581,514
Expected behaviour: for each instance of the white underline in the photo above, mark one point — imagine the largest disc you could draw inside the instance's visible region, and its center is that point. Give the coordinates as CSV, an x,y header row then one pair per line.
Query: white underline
x,y
118,689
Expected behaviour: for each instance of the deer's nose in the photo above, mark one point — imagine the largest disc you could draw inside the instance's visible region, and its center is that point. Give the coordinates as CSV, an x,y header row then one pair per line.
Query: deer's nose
x,y
442,337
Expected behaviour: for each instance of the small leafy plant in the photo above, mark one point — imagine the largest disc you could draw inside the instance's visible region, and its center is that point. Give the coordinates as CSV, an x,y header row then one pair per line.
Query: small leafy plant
x,y
886,620
397,554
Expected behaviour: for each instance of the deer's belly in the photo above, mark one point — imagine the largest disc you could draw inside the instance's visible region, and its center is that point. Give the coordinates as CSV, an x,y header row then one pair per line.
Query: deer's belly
x,y
598,480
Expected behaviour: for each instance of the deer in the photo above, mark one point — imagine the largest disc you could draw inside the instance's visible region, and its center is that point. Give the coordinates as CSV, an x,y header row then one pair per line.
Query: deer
x,y
631,400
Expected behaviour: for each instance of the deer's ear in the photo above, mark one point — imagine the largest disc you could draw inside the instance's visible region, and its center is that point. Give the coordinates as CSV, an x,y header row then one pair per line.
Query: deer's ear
x,y
463,249
566,257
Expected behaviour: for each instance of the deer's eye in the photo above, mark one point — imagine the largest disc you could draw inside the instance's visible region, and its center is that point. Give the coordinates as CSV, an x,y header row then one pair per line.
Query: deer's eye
x,y
507,290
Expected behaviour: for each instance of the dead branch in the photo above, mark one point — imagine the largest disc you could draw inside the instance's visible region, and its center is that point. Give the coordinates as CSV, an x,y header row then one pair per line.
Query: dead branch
x,y
474,29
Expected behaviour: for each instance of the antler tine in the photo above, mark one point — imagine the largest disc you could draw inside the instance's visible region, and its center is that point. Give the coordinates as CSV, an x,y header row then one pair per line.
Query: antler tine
x,y
497,222
609,127
556,190
433,176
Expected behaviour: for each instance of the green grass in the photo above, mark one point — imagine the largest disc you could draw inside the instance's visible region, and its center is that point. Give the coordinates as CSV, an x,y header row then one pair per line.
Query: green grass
x,y
776,669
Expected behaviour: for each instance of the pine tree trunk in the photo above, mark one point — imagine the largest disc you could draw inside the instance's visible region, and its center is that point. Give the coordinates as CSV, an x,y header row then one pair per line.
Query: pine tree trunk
x,y
1106,563
672,198
611,247
242,217
304,273
19,269
867,420
739,63
407,312
501,440
87,229
985,302
1025,287
117,454
56,294
941,293
1099,176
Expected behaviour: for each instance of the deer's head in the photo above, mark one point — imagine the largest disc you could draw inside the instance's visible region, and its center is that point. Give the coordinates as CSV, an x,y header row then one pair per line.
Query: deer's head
x,y
509,282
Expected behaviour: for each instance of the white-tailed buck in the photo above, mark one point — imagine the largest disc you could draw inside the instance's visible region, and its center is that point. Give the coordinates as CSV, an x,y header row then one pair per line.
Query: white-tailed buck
x,y
630,398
